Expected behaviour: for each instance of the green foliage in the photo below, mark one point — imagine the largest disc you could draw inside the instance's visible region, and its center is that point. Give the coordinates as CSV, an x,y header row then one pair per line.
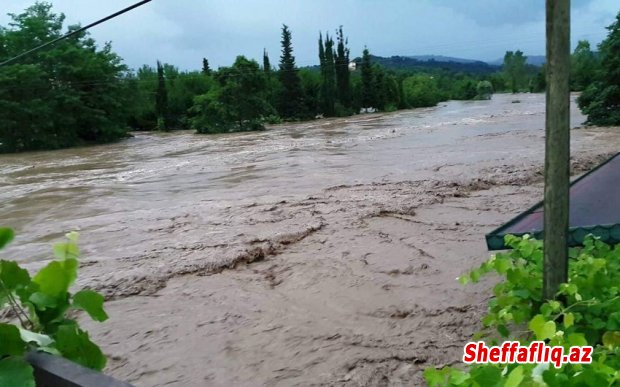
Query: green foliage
x,y
161,99
237,103
42,305
291,97
367,91
583,66
421,91
206,69
600,101
328,76
586,312
515,70
70,94
464,89
484,90
341,62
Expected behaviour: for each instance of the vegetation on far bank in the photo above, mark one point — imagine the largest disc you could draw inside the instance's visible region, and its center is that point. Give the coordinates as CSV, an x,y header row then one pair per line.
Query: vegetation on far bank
x,y
76,93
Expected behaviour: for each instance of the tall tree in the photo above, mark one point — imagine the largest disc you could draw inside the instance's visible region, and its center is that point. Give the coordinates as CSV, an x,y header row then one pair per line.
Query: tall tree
x,y
328,79
342,70
368,95
584,65
514,69
238,103
266,62
601,100
72,93
291,96
206,70
161,99
379,87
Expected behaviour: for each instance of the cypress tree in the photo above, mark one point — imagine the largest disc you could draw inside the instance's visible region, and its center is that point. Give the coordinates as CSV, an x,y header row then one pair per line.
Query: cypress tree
x,y
328,81
161,99
291,97
342,70
379,88
321,53
266,63
368,97
206,70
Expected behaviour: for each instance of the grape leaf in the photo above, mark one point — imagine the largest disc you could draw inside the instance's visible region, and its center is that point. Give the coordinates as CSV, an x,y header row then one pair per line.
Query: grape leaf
x,y
92,303
16,372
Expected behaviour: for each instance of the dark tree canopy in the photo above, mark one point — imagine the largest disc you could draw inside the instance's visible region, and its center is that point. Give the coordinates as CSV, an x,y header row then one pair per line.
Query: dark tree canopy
x,y
291,95
368,95
515,69
266,62
342,70
328,82
236,103
70,94
161,99
206,70
601,100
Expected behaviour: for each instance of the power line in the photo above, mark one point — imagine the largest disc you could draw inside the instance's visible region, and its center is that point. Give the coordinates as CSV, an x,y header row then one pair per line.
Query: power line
x,y
68,35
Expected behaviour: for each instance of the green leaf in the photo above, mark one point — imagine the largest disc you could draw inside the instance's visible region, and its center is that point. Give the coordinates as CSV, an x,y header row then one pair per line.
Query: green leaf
x,y
75,345
569,320
67,250
542,329
434,377
37,338
487,375
16,372
503,330
458,377
611,339
515,377
6,236
577,340
474,275
92,303
13,276
526,248
53,280
42,301
11,342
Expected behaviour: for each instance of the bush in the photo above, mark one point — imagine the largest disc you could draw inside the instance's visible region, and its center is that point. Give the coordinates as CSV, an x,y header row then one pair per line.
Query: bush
x,y
588,314
42,306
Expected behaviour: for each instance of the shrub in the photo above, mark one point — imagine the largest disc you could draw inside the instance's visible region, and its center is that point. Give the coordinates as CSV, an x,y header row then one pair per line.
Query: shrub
x,y
588,314
41,305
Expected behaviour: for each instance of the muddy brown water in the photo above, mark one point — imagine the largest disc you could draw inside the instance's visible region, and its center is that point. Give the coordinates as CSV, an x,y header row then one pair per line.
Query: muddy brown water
x,y
309,254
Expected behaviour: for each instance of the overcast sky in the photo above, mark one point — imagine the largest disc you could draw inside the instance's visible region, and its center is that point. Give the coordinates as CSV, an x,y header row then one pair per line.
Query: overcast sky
x,y
182,32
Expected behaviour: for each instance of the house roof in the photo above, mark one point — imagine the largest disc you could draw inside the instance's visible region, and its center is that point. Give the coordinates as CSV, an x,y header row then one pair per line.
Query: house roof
x,y
594,209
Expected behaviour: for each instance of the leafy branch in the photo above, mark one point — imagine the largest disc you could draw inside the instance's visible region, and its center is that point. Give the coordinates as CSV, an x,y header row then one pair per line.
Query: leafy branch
x,y
42,304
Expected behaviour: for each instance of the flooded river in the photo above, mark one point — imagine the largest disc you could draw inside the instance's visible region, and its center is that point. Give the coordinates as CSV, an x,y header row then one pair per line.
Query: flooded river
x,y
312,253
113,194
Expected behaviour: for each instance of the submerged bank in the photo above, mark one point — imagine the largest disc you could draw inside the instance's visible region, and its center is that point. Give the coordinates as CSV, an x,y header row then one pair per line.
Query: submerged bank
x,y
344,236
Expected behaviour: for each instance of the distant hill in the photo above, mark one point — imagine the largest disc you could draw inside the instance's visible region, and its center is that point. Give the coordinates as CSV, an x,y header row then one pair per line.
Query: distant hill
x,y
441,58
434,62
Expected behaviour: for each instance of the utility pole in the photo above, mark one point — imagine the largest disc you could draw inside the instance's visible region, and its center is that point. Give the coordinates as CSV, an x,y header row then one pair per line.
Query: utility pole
x,y
557,147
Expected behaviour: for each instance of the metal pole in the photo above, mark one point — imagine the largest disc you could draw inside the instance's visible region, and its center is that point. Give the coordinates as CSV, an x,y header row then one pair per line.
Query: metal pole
x,y
557,147
6,62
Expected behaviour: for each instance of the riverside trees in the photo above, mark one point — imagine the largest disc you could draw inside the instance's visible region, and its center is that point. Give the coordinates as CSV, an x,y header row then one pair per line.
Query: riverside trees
x,y
75,93
70,94
601,100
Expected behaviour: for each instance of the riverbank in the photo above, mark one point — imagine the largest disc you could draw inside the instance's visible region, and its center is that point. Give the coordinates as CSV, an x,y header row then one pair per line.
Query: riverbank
x,y
317,253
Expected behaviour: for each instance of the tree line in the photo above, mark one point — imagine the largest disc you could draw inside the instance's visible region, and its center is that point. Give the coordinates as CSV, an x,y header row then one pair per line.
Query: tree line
x,y
76,93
